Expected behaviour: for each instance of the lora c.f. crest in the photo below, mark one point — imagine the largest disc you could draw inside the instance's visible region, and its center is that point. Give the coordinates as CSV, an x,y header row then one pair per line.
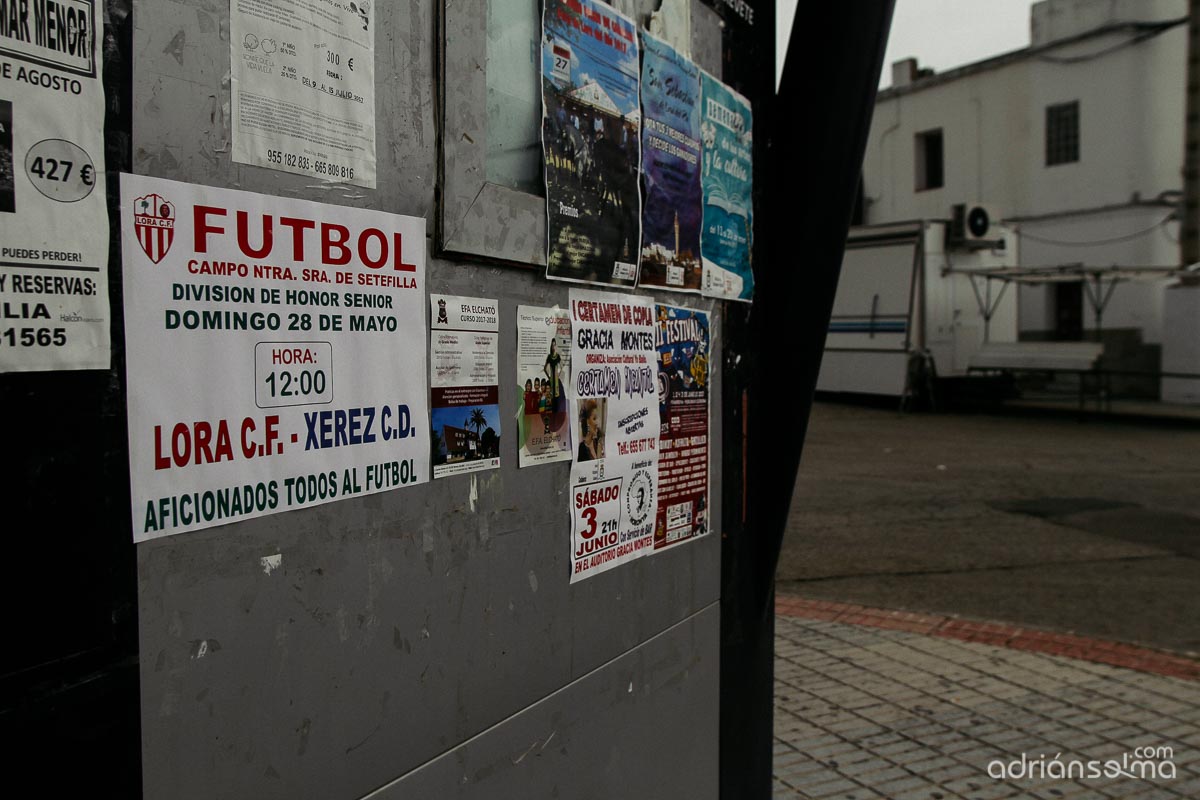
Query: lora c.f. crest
x,y
154,223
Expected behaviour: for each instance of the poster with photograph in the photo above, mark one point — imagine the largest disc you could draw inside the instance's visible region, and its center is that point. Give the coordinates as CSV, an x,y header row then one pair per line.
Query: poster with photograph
x,y
53,199
303,80
275,353
464,366
684,348
671,208
590,129
614,413
543,369
726,131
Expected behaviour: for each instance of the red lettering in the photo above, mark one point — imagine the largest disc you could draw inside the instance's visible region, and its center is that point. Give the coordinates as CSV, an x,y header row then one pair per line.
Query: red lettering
x,y
224,446
298,226
201,228
203,442
329,244
247,445
364,255
181,453
160,461
400,265
243,234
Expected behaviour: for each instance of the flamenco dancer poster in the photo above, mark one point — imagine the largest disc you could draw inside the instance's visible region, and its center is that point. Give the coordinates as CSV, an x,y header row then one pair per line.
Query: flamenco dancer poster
x,y
543,369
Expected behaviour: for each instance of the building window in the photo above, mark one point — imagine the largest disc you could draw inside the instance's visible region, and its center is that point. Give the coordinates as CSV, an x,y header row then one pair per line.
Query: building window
x,y
1062,133
930,174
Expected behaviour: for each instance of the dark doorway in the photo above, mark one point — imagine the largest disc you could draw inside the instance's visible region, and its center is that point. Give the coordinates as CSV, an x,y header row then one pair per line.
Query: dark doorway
x,y
1068,311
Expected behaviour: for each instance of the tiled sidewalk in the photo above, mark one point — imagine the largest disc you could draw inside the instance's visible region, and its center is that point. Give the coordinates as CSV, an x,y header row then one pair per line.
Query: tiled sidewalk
x,y
865,712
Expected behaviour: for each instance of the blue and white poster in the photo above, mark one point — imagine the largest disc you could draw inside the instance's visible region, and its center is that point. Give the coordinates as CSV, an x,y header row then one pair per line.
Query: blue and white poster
x,y
726,132
670,169
590,129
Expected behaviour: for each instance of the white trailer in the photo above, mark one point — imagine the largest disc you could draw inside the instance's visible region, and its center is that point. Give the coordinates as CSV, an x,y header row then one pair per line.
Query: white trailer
x,y
908,300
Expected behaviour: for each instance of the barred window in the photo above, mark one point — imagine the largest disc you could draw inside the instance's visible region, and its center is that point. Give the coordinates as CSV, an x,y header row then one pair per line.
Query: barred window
x,y
1062,133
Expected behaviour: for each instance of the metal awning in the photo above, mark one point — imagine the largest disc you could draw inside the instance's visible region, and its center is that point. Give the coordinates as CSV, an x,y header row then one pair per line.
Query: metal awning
x,y
1099,283
1074,272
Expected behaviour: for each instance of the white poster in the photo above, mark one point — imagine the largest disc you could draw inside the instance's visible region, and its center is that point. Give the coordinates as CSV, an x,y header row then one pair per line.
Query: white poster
x,y
53,212
303,79
465,378
543,366
276,354
614,404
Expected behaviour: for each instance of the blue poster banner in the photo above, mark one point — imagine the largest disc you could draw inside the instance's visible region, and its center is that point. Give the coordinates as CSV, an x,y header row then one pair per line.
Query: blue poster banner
x,y
726,132
671,209
590,142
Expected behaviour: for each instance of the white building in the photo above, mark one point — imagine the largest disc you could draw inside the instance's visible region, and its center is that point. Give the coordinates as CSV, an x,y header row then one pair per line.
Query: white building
x,y
1076,139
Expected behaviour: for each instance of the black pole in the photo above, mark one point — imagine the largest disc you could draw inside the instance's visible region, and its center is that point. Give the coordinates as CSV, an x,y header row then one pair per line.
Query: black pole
x,y
818,128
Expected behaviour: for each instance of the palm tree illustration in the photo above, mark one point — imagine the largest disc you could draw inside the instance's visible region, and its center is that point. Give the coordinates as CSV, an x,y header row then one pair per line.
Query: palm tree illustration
x,y
478,420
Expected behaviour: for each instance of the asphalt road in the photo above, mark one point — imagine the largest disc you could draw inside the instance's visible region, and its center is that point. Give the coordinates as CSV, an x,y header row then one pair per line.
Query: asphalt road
x,y
1092,528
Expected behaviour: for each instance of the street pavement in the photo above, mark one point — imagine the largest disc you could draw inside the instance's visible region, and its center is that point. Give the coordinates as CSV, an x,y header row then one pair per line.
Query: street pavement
x,y
977,606
1038,521
865,712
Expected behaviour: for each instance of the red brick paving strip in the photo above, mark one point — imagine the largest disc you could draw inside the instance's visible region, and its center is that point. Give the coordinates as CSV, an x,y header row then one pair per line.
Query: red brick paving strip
x,y
1100,651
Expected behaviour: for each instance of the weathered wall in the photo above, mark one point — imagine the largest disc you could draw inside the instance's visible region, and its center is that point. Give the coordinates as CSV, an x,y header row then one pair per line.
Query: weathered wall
x,y
401,625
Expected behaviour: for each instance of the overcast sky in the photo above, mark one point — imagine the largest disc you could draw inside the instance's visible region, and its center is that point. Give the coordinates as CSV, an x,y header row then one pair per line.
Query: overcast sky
x,y
940,33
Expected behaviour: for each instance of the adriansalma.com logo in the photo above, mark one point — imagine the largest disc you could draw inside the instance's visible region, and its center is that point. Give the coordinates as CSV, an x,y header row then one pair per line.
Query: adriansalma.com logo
x,y
1141,763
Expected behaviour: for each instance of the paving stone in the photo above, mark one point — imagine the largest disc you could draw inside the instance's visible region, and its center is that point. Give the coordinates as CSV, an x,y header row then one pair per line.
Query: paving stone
x,y
863,712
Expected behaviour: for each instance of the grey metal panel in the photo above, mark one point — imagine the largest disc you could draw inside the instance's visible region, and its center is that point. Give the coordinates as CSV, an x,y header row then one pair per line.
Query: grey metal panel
x,y
706,37
182,119
396,626
477,217
616,732
401,624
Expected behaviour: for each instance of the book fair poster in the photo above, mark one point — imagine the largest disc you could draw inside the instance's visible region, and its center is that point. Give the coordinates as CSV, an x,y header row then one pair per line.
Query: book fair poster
x,y
303,87
464,366
726,131
614,410
53,200
543,370
276,354
670,169
684,349
590,124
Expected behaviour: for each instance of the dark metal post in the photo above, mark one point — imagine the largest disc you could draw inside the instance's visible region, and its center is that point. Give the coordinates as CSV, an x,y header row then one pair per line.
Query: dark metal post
x,y
822,115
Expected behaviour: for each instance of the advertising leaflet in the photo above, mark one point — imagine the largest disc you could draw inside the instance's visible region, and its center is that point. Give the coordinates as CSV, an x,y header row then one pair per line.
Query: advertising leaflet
x,y
726,131
684,349
465,378
614,411
543,369
303,83
590,144
276,354
670,169
54,312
